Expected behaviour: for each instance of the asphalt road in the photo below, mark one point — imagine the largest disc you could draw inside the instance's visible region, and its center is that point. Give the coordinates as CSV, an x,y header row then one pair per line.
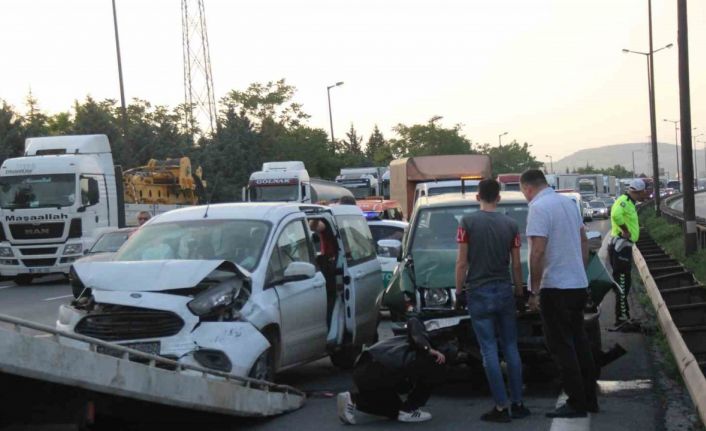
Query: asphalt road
x,y
628,401
699,202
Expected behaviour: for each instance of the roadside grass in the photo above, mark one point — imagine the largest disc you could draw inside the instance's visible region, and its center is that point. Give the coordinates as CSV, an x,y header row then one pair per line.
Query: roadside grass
x,y
671,238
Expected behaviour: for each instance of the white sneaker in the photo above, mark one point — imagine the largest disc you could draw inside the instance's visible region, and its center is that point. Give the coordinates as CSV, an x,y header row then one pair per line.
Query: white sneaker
x,y
346,408
413,416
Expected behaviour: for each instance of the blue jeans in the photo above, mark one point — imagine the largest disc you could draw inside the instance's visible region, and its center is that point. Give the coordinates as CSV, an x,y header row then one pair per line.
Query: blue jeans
x,y
492,309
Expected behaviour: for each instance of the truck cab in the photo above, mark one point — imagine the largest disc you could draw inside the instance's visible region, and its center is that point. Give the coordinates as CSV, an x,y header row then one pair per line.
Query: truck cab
x,y
290,182
362,182
55,201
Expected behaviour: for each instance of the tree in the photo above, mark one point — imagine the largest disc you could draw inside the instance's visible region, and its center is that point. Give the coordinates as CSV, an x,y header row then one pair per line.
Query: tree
x,y
272,100
511,158
11,132
428,139
35,122
377,150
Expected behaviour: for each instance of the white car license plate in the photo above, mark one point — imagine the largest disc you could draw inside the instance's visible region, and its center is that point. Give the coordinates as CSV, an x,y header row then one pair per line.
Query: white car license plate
x,y
39,270
152,347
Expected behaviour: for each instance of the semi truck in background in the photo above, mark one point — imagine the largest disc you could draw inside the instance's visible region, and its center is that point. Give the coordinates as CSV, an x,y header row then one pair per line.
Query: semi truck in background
x,y
55,201
509,182
590,186
409,173
362,182
290,182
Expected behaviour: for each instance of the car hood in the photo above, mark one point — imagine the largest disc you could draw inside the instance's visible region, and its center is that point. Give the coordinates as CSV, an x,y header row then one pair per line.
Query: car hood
x,y
150,276
437,268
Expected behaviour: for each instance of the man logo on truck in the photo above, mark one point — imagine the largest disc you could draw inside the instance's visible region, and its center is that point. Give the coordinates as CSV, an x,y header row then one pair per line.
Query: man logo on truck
x,y
37,231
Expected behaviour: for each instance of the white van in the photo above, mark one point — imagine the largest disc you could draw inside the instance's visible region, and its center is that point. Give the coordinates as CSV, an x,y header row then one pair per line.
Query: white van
x,y
236,288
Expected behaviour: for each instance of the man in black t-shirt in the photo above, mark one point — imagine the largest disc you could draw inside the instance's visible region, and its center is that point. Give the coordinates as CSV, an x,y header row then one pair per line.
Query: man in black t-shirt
x,y
488,242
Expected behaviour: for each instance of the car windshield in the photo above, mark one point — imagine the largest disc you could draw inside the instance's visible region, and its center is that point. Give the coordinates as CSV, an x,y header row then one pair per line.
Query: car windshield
x,y
239,241
286,193
110,242
436,227
37,191
434,248
597,204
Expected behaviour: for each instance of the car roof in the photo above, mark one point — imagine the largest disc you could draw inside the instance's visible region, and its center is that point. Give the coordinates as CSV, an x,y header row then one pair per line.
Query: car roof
x,y
267,211
460,199
392,223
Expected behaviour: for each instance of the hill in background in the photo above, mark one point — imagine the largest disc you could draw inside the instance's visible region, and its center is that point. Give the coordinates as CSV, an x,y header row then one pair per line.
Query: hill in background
x,y
621,154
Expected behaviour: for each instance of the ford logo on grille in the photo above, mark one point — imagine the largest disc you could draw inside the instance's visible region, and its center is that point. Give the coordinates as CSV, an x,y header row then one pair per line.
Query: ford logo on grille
x,y
135,295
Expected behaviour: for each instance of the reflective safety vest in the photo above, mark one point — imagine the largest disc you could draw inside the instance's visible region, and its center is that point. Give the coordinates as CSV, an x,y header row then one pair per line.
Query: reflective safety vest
x,y
623,212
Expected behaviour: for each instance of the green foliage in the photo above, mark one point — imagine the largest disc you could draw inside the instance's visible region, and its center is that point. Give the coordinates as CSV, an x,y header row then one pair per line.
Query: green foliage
x,y
671,238
511,158
428,139
261,123
617,171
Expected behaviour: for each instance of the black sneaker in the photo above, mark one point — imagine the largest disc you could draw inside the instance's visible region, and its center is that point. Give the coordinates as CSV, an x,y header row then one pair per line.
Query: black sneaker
x,y
495,415
566,411
519,411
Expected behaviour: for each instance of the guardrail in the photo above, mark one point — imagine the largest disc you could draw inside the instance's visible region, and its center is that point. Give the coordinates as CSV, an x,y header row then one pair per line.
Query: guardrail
x,y
675,216
122,371
671,287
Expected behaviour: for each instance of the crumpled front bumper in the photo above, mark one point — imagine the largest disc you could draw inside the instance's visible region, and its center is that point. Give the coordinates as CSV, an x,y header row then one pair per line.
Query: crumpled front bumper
x,y
239,341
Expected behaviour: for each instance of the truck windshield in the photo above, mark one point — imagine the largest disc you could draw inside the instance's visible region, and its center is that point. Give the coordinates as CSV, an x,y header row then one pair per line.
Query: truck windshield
x,y
239,241
359,191
586,186
286,193
37,191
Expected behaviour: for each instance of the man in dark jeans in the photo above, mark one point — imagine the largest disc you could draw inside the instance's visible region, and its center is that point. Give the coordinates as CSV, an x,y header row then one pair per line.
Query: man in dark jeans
x,y
397,365
487,242
558,283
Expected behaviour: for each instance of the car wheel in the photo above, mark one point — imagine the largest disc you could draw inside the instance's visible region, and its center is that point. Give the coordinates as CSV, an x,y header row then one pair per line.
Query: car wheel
x,y
264,366
24,279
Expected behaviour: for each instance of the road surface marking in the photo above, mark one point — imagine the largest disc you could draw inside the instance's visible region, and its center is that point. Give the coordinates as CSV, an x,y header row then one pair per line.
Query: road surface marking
x,y
574,424
43,335
612,386
7,286
59,297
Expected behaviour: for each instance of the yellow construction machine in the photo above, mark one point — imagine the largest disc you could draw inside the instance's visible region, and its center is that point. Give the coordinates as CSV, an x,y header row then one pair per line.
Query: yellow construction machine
x,y
170,182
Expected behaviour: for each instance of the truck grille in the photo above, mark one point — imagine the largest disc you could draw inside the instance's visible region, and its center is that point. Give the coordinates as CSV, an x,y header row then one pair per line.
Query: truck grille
x,y
135,324
36,251
37,231
38,262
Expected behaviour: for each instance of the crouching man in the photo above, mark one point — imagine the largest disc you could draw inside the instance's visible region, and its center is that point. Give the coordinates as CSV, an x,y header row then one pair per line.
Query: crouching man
x,y
405,364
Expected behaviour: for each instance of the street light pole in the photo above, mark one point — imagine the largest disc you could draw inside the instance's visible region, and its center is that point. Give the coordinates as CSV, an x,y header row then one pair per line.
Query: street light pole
x,y
123,110
685,116
696,163
500,139
551,162
676,142
634,174
330,116
651,94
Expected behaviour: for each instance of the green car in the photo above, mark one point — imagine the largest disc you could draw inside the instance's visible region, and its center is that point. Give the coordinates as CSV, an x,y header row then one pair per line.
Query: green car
x,y
423,284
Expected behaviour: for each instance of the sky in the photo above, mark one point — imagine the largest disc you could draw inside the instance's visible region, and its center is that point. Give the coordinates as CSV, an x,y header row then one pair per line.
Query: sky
x,y
549,72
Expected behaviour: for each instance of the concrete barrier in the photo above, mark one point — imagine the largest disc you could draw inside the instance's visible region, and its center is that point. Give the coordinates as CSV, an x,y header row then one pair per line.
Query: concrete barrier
x,y
686,362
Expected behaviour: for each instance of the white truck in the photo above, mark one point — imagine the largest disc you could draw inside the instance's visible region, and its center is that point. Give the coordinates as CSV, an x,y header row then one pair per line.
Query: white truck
x,y
55,201
290,182
362,182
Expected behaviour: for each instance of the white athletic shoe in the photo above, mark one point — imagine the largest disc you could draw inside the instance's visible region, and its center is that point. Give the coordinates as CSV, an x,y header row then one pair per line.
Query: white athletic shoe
x,y
346,408
413,416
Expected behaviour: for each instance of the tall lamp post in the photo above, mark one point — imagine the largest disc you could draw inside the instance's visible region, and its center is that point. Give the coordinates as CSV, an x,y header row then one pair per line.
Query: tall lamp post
x,y
330,116
500,139
676,142
651,93
696,164
551,162
123,110
634,173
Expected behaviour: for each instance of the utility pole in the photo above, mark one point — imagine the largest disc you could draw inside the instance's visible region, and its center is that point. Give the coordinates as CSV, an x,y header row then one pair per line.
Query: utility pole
x,y
685,114
653,121
123,109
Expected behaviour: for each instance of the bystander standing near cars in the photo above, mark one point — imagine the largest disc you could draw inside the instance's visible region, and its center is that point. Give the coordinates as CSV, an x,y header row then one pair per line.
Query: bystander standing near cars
x,y
558,249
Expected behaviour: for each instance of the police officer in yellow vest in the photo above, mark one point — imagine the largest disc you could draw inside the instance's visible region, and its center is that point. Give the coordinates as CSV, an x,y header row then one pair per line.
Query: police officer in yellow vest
x,y
625,231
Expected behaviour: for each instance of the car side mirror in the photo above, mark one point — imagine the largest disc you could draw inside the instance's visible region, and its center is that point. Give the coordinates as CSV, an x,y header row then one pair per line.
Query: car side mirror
x,y
389,248
297,271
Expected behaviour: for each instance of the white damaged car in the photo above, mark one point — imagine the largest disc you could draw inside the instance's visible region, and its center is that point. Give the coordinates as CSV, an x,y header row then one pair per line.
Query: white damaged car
x,y
235,288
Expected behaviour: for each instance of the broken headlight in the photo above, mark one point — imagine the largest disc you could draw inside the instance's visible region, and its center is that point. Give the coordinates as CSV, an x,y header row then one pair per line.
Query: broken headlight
x,y
216,298
437,298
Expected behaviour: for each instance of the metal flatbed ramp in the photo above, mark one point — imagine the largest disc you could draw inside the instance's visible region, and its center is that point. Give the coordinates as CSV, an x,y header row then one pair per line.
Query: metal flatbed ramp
x,y
153,379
